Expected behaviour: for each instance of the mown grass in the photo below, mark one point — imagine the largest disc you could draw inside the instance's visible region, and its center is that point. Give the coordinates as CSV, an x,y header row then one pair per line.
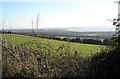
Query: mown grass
x,y
82,49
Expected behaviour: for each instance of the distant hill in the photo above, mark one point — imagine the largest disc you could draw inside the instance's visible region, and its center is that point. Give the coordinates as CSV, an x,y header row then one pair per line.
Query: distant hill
x,y
67,32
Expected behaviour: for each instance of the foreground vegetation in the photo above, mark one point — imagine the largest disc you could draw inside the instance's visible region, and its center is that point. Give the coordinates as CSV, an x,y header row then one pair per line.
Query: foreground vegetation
x,y
22,61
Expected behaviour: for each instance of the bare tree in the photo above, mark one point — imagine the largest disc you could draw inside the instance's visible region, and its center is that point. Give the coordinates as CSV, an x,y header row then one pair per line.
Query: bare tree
x,y
32,27
37,24
11,29
3,25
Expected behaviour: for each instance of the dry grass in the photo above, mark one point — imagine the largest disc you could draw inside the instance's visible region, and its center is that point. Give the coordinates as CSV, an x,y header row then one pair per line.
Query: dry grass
x,y
20,61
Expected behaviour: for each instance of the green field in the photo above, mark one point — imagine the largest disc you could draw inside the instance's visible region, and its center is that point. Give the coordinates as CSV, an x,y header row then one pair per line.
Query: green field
x,y
83,49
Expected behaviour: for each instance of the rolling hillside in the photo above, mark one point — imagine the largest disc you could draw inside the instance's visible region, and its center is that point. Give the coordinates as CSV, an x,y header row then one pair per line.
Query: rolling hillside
x,y
53,45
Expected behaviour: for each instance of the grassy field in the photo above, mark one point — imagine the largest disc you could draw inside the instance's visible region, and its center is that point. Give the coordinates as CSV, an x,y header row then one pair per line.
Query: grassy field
x,y
83,49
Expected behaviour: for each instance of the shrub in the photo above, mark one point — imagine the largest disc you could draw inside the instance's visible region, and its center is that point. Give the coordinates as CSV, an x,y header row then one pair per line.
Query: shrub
x,y
105,64
20,62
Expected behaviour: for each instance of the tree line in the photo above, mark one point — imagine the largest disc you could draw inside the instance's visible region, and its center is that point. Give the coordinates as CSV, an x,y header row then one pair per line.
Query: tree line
x,y
106,41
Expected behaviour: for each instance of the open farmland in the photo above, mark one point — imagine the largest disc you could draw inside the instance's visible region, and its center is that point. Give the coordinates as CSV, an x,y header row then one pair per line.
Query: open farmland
x,y
53,45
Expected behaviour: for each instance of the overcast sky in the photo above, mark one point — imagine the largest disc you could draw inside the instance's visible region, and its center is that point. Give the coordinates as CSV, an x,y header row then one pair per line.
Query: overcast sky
x,y
56,13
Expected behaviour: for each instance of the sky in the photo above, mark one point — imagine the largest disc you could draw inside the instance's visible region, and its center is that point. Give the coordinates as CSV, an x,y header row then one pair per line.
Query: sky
x,y
57,14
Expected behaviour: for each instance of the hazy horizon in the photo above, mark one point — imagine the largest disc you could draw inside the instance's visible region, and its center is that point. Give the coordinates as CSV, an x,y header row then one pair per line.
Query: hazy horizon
x,y
75,29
